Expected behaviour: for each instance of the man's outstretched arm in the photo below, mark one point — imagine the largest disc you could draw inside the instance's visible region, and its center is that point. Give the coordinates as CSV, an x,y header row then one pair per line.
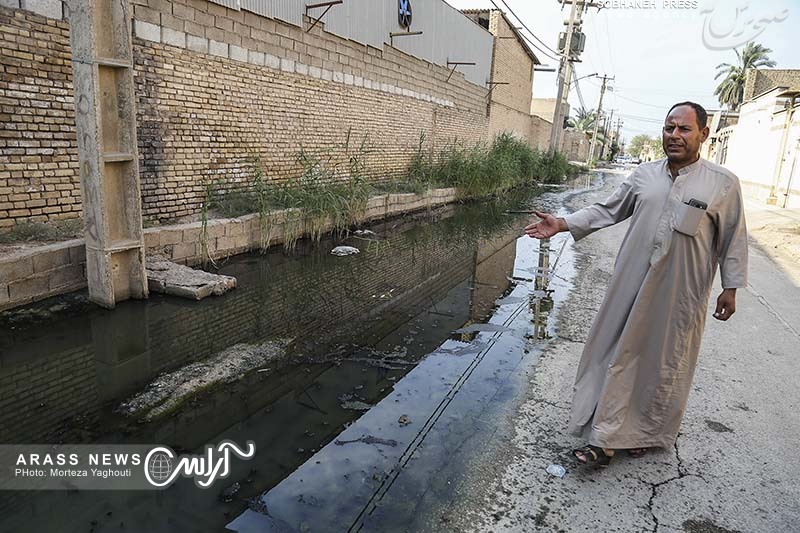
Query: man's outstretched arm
x,y
614,209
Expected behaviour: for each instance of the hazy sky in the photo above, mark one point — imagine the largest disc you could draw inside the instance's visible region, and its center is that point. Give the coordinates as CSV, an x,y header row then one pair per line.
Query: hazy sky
x,y
659,55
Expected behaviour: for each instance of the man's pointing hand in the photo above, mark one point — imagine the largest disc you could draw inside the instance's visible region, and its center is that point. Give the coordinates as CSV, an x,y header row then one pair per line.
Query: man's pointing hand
x,y
547,227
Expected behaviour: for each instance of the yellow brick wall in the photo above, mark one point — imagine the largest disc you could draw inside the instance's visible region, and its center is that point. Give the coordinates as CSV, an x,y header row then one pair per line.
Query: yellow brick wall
x,y
38,147
201,117
511,104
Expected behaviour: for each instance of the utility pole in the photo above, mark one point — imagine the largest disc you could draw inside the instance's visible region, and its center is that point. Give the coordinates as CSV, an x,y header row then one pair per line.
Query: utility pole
x,y
564,79
616,135
606,134
565,68
597,118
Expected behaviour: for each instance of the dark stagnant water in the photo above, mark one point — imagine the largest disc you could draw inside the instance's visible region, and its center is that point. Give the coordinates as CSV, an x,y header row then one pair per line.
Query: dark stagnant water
x,y
65,364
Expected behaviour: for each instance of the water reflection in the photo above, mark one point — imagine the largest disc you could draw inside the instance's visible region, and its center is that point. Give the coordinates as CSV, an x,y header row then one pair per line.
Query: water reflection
x,y
64,364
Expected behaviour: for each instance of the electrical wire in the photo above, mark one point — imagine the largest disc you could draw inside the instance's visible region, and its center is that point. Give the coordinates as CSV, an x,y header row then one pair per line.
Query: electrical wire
x,y
640,103
554,55
526,27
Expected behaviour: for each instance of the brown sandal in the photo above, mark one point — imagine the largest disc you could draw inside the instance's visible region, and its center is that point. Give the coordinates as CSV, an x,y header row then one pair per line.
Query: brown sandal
x,y
592,455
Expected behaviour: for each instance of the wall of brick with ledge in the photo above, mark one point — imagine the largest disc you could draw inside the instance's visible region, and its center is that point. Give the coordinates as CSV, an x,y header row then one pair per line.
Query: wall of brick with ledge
x,y
53,269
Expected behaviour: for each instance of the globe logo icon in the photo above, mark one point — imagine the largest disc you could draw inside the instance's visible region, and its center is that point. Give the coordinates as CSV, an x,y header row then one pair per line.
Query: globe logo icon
x,y
160,467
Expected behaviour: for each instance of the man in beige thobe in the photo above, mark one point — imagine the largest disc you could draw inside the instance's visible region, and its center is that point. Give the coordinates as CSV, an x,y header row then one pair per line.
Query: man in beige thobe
x,y
638,362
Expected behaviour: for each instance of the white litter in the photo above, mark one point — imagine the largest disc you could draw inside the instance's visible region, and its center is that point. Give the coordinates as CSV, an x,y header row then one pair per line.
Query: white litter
x,y
344,250
556,470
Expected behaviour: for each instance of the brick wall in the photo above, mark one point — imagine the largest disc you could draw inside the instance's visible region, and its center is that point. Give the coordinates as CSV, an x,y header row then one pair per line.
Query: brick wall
x,y
758,81
214,88
38,148
574,144
540,132
509,110
189,131
511,64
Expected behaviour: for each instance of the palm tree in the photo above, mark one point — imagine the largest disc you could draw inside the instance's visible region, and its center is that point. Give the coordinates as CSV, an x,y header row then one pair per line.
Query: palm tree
x,y
583,121
730,91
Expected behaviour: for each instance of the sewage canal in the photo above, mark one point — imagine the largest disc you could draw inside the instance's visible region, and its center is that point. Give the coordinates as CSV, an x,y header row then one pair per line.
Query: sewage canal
x,y
349,329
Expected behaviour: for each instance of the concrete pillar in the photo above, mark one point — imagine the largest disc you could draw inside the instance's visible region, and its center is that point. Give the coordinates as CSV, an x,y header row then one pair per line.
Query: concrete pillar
x,y
105,116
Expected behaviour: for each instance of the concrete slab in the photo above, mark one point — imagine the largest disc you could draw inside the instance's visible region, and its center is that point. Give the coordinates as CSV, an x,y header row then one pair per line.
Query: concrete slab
x,y
166,277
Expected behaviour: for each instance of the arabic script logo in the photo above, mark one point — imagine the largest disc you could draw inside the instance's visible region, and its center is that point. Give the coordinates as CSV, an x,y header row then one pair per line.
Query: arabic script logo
x,y
731,24
405,13
162,466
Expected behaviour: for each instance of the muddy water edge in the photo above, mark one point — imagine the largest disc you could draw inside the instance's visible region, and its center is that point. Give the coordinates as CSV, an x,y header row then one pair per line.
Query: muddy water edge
x,y
352,327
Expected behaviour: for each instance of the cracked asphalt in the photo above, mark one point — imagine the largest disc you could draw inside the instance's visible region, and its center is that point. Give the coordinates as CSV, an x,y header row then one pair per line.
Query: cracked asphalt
x,y
733,467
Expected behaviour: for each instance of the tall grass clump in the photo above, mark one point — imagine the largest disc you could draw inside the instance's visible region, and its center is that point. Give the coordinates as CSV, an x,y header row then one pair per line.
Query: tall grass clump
x,y
209,188
329,194
486,169
554,168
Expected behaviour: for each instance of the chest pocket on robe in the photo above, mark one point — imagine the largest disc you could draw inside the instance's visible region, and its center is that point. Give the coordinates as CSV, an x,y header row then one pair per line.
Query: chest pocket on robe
x,y
687,219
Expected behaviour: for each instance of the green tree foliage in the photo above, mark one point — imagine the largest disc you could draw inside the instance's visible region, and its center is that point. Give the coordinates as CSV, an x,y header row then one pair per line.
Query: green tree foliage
x,y
637,143
730,92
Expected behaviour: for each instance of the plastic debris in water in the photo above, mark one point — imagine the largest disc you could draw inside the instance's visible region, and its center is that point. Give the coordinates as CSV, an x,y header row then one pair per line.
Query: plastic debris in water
x,y
556,470
344,250
229,493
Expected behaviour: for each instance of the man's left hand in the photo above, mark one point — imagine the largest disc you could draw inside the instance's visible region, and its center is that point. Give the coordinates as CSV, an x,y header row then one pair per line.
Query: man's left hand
x,y
726,304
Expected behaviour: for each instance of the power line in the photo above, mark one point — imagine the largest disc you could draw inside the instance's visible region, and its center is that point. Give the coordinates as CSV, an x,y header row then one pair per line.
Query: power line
x,y
643,119
640,103
526,27
527,40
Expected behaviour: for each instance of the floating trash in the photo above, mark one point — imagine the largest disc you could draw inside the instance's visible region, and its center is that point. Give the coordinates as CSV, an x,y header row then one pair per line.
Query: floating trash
x,y
556,470
363,232
344,250
229,493
404,420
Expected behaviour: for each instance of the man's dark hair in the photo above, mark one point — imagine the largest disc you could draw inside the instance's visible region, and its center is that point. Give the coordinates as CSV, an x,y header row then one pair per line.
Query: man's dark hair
x,y
699,111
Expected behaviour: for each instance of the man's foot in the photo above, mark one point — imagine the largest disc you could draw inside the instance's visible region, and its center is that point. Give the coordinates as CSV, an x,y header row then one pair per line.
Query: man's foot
x,y
593,455
638,452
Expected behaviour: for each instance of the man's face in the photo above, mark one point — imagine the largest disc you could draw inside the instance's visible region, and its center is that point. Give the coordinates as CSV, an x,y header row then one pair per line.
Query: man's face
x,y
681,136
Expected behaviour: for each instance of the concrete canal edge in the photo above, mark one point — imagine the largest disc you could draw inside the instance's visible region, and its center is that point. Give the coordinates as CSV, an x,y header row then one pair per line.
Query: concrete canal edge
x,y
49,270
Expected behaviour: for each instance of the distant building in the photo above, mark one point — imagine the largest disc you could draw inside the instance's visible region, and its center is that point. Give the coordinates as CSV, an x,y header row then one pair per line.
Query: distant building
x,y
545,108
719,125
650,151
759,81
763,148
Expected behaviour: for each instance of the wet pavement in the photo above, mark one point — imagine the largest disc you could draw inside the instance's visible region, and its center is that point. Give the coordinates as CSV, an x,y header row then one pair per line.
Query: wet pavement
x,y
361,331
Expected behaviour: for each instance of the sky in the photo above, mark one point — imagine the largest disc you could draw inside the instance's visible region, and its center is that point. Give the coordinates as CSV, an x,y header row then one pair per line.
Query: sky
x,y
659,51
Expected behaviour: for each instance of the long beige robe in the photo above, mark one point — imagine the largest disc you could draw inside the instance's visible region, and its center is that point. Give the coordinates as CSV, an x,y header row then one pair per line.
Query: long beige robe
x,y
637,366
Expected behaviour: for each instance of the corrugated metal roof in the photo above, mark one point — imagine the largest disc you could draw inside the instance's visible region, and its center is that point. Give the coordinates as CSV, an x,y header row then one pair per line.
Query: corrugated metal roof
x,y
447,34
233,4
